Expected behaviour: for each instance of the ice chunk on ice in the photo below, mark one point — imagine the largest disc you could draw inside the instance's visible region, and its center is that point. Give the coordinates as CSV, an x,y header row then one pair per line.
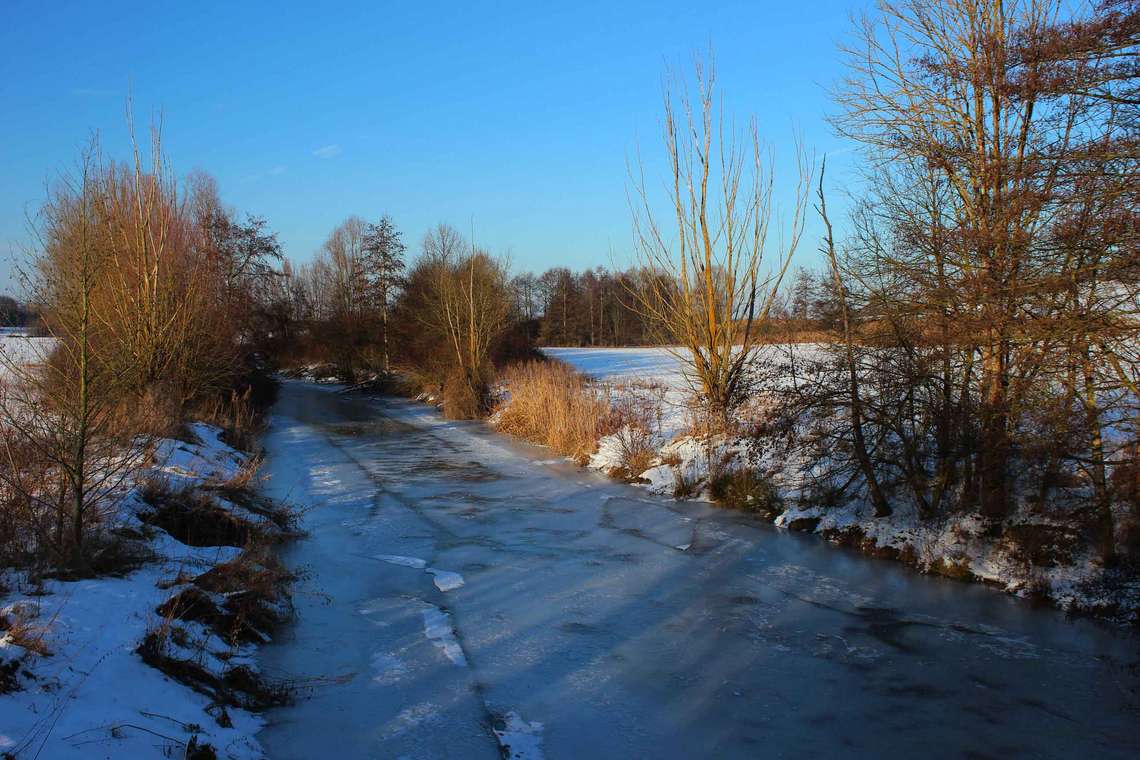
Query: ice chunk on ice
x,y
437,627
446,580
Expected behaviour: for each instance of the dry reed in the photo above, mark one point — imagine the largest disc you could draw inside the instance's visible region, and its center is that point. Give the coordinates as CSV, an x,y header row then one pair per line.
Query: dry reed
x,y
553,405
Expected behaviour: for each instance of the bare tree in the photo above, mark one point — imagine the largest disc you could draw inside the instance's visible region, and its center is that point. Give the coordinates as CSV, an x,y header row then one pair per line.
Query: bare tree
x,y
714,245
64,407
468,305
158,305
855,397
995,251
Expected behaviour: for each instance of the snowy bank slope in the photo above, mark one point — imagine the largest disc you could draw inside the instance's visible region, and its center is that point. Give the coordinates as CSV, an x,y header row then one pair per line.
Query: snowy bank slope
x,y
92,696
959,546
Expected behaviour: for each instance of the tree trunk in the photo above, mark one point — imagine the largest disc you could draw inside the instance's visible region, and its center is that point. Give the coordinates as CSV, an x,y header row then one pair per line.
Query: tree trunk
x,y
882,507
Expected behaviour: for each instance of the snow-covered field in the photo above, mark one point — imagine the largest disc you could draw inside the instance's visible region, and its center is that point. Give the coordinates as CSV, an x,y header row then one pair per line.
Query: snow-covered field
x,y
626,364
19,350
645,375
91,695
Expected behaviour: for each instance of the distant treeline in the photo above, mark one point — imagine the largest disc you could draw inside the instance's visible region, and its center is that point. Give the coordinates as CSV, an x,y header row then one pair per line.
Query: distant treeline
x,y
13,313
596,307
588,308
357,307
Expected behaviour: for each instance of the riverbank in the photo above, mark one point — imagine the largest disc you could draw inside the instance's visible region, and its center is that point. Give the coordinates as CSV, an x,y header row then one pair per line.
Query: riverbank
x,y
153,654
1039,553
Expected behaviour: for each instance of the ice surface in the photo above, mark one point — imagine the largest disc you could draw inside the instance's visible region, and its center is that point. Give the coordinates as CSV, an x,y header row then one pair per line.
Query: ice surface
x,y
581,613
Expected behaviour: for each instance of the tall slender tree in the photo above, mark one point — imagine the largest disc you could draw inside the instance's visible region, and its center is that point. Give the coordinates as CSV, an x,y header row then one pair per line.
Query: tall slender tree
x,y
383,256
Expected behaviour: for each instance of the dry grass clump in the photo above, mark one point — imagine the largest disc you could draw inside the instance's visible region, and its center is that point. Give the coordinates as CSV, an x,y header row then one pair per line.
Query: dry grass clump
x,y
638,453
553,405
464,399
175,651
745,488
245,477
242,601
255,591
192,516
21,627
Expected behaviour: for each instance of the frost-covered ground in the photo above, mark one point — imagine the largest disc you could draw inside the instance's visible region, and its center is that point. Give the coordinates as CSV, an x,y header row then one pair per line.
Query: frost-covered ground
x,y
92,696
959,546
466,595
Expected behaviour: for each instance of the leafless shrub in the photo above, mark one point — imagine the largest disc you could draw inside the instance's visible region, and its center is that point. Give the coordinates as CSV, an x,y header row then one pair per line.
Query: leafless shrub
x,y
462,398
743,487
638,452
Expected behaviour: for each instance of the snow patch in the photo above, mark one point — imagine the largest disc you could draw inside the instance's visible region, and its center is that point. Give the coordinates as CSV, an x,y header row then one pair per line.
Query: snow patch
x,y
99,697
445,580
520,739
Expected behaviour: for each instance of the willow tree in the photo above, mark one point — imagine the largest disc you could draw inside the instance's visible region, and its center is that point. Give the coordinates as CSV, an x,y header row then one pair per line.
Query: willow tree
x,y
467,306
712,266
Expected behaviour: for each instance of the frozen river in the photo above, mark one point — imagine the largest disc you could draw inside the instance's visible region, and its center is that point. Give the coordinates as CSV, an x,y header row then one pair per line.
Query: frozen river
x,y
463,592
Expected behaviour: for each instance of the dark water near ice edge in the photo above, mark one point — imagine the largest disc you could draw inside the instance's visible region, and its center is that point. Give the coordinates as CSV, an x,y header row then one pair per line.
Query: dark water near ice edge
x,y
581,630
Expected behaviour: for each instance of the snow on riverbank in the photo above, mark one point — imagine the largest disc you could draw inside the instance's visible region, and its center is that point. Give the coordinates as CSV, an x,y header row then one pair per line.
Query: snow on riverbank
x,y
681,459
960,546
90,694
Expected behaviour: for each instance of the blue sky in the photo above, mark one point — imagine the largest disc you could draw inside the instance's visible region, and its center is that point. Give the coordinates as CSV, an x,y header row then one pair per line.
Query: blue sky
x,y
512,119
